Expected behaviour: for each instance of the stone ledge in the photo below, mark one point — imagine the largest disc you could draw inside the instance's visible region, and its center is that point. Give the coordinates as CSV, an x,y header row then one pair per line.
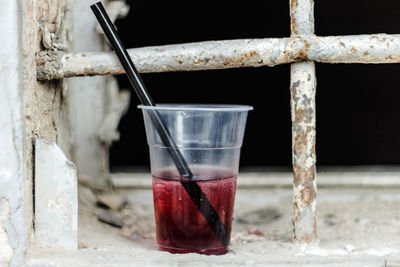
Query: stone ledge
x,y
351,178
356,227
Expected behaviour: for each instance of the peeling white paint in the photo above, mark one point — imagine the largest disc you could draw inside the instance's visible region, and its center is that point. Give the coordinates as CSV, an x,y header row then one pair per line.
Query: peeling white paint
x,y
56,198
365,49
302,17
303,84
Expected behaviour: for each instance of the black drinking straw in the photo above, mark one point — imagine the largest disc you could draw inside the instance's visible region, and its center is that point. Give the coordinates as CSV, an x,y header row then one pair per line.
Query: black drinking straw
x,y
191,187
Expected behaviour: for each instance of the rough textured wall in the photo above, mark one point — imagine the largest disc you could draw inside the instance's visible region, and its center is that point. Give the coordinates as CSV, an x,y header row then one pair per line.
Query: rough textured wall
x,y
12,194
32,109
88,102
45,26
96,103
46,103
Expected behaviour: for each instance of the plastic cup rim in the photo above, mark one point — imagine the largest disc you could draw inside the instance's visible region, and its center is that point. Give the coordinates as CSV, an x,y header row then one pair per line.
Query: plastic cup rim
x,y
198,107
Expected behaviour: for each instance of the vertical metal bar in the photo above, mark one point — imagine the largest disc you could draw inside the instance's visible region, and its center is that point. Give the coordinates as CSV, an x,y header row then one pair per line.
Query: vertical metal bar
x,y
302,88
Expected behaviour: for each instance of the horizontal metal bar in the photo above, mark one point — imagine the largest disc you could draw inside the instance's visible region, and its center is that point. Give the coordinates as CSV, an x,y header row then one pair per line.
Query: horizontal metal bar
x,y
377,48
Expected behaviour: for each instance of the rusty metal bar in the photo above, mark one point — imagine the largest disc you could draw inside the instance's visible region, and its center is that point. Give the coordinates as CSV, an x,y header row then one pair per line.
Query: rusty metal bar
x,y
378,48
303,85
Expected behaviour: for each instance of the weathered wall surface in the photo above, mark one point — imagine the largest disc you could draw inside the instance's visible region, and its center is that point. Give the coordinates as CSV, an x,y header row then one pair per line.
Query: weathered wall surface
x,y
28,109
46,103
12,192
88,101
47,26
96,104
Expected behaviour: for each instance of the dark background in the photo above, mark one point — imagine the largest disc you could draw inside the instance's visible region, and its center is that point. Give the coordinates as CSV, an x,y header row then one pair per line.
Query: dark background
x,y
358,109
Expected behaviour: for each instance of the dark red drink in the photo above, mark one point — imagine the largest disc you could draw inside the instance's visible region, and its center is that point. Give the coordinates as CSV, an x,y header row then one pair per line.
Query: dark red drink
x,y
181,228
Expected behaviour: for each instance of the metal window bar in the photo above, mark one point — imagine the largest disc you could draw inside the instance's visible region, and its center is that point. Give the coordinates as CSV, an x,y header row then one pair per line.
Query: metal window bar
x,y
301,49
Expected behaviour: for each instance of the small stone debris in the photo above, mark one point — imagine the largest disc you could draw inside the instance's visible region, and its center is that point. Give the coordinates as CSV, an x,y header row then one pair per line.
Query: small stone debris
x,y
134,226
126,231
111,201
110,218
135,221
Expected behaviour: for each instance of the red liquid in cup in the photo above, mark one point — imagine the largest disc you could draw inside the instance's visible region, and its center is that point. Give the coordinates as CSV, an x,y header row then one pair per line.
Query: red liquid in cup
x,y
181,228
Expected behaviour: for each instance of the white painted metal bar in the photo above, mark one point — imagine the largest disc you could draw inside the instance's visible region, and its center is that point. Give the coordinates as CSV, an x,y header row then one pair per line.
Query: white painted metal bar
x,y
302,88
377,48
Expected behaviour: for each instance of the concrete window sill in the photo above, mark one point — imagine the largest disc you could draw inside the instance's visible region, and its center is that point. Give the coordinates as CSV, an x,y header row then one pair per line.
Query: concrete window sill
x,y
358,225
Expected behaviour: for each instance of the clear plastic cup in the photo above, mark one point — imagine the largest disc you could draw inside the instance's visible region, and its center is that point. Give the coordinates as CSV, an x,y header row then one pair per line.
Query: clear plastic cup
x,y
209,137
